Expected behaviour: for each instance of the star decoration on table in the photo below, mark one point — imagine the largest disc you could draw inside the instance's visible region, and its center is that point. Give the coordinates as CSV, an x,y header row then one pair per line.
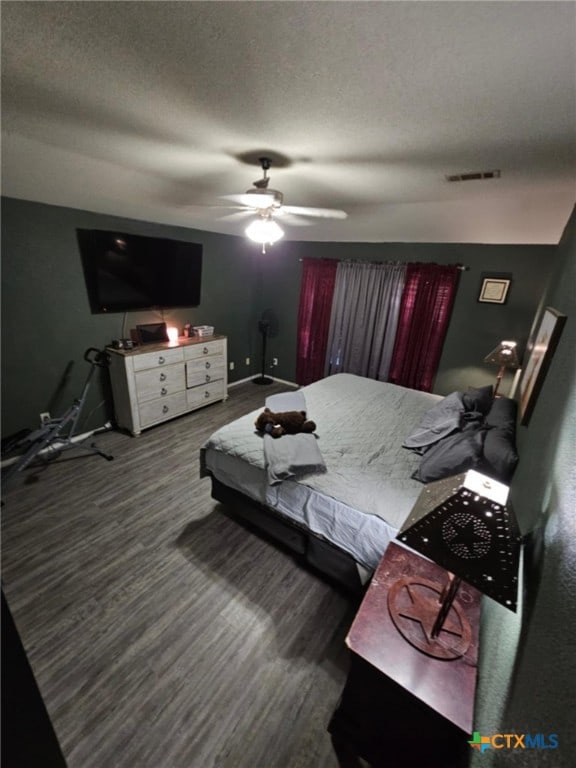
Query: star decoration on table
x,y
424,610
413,605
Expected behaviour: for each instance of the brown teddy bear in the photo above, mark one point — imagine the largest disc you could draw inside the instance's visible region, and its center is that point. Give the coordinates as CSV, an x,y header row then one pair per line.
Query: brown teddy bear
x,y
285,423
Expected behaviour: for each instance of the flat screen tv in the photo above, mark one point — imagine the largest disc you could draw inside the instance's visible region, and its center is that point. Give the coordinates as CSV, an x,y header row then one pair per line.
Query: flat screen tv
x,y
131,272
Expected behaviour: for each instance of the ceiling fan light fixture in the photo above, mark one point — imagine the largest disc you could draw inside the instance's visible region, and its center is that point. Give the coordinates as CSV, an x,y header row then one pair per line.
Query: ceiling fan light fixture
x,y
265,202
265,231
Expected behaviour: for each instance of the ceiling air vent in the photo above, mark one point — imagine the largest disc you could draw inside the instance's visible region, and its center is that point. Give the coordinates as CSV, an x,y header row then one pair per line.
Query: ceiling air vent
x,y
474,176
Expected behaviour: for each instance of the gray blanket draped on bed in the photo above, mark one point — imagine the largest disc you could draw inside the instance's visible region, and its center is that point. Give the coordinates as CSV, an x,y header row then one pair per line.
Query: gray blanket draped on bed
x,y
290,455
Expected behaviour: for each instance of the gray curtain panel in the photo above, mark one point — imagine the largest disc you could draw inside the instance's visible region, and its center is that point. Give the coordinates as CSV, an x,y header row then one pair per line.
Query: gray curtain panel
x,y
364,318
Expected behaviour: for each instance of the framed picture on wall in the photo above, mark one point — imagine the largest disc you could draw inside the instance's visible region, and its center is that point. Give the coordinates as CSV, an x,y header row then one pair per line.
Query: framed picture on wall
x,y
494,288
539,352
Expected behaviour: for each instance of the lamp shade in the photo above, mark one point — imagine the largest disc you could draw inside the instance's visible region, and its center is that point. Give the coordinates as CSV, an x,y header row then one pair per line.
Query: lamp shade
x,y
463,524
504,354
264,230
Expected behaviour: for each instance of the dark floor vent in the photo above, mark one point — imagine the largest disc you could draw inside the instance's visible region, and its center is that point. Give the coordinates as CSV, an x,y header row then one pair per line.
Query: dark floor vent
x,y
473,176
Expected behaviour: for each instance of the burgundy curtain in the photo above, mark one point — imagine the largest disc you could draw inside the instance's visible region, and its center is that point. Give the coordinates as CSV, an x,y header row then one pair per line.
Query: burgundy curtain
x,y
427,303
318,277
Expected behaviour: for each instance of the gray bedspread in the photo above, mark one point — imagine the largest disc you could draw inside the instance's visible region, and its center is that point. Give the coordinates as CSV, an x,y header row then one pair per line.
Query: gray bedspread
x,y
291,456
361,425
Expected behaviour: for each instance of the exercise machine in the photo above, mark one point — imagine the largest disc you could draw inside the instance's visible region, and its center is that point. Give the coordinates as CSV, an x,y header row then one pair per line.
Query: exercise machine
x,y
57,435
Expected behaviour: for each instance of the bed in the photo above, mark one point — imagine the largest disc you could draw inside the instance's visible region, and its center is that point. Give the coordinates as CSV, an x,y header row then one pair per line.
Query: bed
x,y
339,519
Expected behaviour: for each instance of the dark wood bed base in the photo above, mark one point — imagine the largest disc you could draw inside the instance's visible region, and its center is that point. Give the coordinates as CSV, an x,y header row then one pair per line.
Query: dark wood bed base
x,y
338,566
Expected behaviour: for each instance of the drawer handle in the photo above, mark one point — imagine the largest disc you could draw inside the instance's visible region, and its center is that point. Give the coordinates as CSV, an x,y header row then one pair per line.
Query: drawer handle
x,y
207,365
163,391
208,378
165,409
205,351
206,394
162,377
161,360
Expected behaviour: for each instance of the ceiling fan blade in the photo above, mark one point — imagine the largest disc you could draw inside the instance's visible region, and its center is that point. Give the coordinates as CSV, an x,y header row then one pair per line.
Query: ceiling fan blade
x,y
219,207
324,213
253,200
237,216
292,219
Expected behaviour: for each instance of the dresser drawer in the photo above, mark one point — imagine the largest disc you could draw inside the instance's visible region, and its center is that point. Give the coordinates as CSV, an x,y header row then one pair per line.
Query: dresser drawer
x,y
162,381
195,351
156,359
160,410
205,394
204,370
159,382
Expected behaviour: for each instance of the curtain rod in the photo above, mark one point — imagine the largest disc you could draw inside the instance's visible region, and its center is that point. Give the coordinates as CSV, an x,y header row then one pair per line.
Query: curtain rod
x,y
461,267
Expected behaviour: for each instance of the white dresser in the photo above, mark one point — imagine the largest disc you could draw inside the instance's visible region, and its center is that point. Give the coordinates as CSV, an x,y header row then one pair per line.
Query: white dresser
x,y
157,382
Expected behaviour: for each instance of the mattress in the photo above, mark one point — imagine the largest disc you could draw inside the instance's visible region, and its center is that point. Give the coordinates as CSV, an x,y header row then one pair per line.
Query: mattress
x,y
361,500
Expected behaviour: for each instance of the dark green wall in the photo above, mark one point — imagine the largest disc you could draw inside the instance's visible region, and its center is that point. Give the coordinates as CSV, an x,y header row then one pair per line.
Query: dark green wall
x,y
475,329
46,320
527,664
47,323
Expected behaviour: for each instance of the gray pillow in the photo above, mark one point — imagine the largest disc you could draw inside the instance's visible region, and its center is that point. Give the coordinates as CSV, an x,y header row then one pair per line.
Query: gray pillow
x,y
439,421
500,456
503,414
454,454
478,399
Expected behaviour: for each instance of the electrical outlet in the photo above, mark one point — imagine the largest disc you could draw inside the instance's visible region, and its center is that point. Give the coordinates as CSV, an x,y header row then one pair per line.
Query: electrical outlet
x,y
45,417
231,366
247,361
274,361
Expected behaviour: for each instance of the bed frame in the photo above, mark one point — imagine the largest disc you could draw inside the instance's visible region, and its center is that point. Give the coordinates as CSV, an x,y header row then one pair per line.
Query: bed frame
x,y
315,552
399,411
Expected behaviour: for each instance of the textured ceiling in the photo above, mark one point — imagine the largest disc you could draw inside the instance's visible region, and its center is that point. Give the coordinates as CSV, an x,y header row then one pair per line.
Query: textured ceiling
x,y
151,110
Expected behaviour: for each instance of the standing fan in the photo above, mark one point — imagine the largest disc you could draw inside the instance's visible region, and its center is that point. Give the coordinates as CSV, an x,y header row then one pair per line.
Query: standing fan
x,y
268,327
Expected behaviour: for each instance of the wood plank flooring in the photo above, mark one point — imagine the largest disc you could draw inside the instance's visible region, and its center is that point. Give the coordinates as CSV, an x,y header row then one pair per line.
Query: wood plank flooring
x,y
161,633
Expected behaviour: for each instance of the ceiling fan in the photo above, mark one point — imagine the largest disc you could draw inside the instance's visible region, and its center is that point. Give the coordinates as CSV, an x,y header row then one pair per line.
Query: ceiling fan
x,y
265,204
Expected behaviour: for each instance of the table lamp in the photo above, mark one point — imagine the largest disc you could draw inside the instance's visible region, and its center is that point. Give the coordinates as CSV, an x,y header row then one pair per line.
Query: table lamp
x,y
464,525
505,356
